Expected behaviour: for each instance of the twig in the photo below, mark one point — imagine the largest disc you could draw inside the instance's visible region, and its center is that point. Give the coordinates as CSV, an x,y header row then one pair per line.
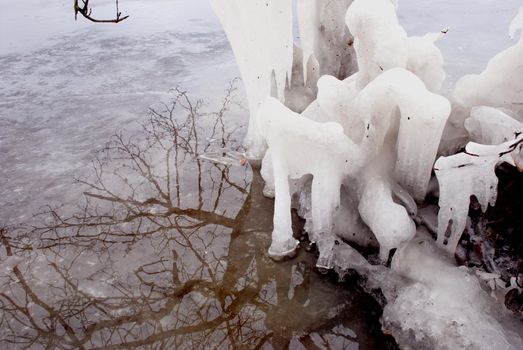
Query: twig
x,y
86,11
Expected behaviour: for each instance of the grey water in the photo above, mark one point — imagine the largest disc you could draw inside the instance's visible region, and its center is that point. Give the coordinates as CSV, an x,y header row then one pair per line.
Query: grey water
x,y
166,250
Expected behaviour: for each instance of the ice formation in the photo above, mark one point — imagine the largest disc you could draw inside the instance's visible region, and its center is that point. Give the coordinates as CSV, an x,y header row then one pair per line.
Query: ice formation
x,y
324,38
447,308
379,41
389,221
501,83
461,176
260,34
352,122
425,60
497,137
297,147
402,130
491,126
415,133
287,139
467,174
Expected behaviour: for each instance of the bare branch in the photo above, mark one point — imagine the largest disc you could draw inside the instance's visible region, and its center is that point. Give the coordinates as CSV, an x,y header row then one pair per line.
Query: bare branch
x,y
86,11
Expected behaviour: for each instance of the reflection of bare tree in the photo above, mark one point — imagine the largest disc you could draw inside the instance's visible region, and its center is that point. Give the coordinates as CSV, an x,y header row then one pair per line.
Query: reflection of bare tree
x,y
167,251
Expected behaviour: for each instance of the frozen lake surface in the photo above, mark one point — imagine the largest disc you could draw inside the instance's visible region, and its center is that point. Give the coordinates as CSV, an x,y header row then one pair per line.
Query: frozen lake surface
x,y
149,274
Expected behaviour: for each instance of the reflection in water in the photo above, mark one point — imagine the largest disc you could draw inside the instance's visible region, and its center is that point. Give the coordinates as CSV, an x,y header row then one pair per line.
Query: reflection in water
x,y
168,251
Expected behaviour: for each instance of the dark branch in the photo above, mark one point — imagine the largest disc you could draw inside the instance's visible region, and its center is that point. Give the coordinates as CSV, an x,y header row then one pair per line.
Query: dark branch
x,y
86,11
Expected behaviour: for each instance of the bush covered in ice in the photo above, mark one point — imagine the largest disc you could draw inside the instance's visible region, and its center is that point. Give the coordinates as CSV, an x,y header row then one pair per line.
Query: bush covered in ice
x,y
349,120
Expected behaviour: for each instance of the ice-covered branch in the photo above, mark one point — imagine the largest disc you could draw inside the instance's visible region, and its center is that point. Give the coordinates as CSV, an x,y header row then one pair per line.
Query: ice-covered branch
x,y
471,173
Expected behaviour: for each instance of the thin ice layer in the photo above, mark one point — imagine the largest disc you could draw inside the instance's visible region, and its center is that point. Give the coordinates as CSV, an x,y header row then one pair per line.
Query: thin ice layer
x,y
260,34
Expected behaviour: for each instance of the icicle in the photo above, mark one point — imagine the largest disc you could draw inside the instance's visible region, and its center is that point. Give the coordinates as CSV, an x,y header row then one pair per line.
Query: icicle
x,y
423,117
297,147
465,174
324,37
389,221
379,41
260,34
308,21
426,60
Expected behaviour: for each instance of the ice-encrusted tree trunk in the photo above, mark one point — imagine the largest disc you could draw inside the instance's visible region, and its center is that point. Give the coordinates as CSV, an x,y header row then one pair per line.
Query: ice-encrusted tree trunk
x,y
260,34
